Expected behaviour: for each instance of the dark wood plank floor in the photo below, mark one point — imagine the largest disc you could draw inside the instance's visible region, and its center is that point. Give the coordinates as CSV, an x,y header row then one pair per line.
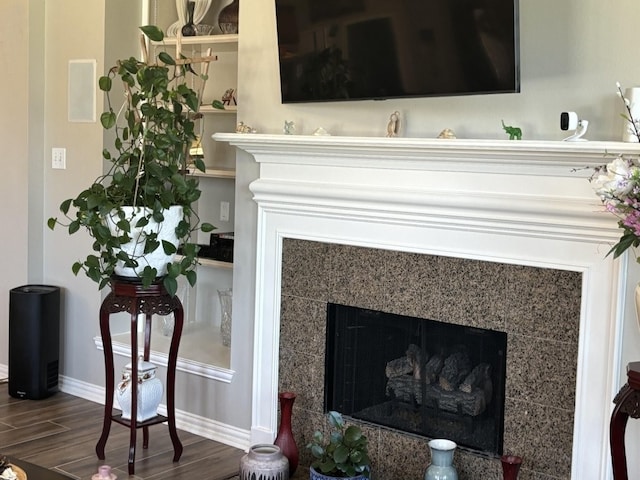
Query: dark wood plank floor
x,y
60,433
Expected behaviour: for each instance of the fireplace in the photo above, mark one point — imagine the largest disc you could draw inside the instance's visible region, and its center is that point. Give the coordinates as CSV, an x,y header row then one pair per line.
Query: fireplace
x,y
519,216
429,378
537,309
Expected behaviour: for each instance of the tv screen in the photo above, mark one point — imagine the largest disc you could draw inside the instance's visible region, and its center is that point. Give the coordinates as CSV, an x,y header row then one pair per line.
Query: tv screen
x,y
333,50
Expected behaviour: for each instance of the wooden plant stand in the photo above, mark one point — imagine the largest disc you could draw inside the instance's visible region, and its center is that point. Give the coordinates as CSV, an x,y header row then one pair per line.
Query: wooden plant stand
x,y
627,405
129,296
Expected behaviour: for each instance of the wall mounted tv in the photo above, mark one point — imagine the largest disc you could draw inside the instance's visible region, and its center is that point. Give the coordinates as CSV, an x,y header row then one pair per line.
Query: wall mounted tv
x,y
334,50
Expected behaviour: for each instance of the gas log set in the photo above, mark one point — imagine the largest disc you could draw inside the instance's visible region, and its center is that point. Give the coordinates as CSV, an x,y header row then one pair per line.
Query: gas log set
x,y
448,381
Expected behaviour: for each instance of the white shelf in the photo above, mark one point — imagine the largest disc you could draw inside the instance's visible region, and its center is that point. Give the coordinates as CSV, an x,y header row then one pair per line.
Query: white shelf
x,y
232,109
222,42
214,173
207,357
207,262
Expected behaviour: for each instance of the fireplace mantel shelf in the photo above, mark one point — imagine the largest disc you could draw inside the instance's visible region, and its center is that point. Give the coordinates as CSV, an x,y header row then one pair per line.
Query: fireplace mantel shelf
x,y
557,158
524,187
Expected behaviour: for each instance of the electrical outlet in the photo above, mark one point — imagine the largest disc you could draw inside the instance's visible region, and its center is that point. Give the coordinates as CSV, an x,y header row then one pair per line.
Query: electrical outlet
x,y
59,158
224,211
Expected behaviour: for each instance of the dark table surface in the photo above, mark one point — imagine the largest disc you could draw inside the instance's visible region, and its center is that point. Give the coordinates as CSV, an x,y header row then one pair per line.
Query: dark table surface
x,y
34,472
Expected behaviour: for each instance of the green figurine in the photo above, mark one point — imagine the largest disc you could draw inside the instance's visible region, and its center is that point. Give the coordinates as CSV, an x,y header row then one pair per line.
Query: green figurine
x,y
514,133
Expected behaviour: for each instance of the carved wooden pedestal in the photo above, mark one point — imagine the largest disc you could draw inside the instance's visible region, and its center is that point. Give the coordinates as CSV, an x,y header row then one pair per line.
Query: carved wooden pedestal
x,y
129,296
627,405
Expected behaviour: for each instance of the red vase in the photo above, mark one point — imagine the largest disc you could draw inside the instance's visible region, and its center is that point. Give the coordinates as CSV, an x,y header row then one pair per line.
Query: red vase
x,y
510,466
285,439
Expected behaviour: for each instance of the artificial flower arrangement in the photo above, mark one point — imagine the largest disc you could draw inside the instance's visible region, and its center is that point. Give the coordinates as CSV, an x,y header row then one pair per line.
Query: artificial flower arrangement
x,y
618,186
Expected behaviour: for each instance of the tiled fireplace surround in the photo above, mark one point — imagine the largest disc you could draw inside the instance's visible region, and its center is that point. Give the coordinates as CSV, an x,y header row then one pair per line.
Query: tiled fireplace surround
x,y
538,308
504,235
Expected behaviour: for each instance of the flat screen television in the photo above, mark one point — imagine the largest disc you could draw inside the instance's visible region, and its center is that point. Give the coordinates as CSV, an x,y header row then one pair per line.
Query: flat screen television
x,y
332,50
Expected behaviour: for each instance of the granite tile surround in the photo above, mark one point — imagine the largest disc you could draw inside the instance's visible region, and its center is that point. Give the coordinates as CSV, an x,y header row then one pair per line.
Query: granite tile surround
x,y
538,308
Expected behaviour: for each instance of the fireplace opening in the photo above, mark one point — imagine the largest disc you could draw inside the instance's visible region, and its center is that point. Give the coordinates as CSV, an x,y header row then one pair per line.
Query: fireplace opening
x,y
424,377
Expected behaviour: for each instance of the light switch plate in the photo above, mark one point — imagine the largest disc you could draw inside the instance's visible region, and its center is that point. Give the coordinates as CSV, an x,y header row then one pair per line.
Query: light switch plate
x,y
59,158
224,211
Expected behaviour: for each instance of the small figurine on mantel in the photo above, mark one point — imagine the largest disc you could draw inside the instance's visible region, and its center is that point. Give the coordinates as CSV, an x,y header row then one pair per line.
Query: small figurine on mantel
x,y
515,133
242,127
289,127
447,133
321,132
393,127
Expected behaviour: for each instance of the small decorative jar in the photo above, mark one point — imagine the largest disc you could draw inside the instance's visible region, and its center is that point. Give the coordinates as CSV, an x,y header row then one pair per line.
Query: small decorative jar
x,y
149,391
265,462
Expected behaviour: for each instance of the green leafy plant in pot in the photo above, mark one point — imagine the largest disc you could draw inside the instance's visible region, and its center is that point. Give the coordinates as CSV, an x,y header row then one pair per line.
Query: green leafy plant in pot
x,y
343,454
146,181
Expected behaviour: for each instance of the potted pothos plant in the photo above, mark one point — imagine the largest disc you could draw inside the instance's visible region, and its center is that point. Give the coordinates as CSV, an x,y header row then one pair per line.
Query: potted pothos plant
x,y
146,182
341,454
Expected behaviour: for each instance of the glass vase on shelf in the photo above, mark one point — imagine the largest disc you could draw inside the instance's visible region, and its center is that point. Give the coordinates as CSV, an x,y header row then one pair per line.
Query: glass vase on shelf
x,y
165,323
226,302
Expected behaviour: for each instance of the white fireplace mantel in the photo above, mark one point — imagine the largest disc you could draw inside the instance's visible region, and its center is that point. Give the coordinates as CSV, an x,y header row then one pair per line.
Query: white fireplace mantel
x,y
518,202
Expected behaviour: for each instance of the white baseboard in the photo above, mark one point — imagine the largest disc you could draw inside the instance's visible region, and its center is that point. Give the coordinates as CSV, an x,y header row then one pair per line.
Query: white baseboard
x,y
88,391
204,427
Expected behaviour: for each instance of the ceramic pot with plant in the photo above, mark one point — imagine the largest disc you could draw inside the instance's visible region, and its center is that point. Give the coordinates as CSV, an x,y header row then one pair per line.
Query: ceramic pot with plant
x,y
146,180
343,454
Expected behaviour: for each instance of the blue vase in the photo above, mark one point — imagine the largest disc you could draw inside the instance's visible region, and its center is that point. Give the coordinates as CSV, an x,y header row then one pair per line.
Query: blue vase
x,y
315,475
441,467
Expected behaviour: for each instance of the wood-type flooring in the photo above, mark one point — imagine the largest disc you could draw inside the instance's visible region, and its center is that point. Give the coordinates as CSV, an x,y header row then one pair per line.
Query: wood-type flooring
x,y
60,433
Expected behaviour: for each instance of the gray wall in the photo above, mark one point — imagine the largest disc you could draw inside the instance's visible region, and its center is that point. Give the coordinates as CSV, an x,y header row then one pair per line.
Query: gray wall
x,y
21,126
572,54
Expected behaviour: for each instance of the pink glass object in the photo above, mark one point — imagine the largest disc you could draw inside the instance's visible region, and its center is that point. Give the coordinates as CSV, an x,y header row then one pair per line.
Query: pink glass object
x,y
104,473
510,466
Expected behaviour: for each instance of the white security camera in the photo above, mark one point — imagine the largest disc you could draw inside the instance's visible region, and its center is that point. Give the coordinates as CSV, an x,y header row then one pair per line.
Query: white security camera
x,y
569,121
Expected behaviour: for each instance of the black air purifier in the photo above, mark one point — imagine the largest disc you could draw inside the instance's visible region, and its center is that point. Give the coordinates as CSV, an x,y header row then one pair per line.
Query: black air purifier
x,y
34,341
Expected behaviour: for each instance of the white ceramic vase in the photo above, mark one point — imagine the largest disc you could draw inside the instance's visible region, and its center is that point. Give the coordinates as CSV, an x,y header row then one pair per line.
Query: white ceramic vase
x,y
166,231
633,97
149,391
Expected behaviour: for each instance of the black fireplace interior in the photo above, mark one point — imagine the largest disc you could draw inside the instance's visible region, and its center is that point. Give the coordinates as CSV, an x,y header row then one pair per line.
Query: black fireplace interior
x,y
424,377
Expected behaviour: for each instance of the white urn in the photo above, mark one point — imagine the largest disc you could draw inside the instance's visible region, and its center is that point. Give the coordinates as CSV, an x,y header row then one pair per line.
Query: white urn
x,y
149,391
164,231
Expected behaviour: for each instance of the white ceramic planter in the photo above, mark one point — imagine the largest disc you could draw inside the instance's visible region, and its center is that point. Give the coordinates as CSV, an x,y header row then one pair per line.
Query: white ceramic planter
x,y
166,230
